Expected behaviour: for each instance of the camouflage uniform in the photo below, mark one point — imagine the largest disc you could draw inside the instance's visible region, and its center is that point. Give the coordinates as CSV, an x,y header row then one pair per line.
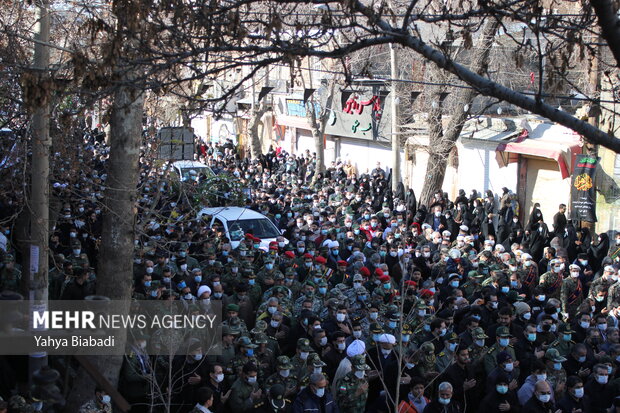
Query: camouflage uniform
x,y
555,377
314,361
427,360
571,295
290,383
347,396
93,407
299,364
551,282
613,294
477,353
10,279
562,346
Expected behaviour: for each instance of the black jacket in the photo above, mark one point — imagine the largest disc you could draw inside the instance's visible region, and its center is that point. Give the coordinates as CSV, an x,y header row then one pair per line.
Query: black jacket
x,y
568,403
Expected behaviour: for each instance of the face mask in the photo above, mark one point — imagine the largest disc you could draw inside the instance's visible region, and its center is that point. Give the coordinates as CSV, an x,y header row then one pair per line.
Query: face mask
x,y
454,284
602,326
340,317
219,378
373,315
578,393
308,264
544,398
303,355
505,289
147,283
285,373
106,399
252,380
252,281
426,254
527,316
392,324
494,304
557,366
357,333
501,389
541,297
503,342
528,263
566,337
531,337
452,347
433,290
509,367
269,266
599,299
443,332
149,270
318,370
602,379
444,401
341,346
197,357
323,341
581,359
360,374
249,352
427,327
37,406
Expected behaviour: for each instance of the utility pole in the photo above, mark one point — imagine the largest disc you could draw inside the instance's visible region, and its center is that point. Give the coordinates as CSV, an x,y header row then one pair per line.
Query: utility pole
x,y
39,196
394,109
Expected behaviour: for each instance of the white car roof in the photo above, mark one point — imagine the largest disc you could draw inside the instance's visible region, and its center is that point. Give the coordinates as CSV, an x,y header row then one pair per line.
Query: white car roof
x,y
232,213
189,164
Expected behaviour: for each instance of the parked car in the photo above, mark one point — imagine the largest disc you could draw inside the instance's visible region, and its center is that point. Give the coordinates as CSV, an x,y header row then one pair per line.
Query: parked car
x,y
238,221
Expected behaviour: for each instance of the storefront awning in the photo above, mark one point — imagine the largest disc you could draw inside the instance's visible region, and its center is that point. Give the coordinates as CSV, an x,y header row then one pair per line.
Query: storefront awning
x,y
546,141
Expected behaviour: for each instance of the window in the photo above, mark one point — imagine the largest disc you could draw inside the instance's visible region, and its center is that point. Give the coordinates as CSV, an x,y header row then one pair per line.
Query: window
x,y
261,228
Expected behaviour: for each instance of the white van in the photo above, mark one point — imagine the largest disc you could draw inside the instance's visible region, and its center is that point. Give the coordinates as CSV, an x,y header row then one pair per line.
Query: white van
x,y
238,221
183,169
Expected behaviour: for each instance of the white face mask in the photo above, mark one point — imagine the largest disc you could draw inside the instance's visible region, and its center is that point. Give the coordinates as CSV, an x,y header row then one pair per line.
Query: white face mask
x,y
219,378
320,392
340,317
360,374
285,373
341,346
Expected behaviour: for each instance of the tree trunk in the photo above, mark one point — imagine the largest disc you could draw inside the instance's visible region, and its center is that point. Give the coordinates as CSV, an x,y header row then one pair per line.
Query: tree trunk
x,y
117,241
256,143
440,144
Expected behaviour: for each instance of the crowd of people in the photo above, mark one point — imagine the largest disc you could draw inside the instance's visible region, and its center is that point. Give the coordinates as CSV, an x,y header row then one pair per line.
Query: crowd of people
x,y
369,301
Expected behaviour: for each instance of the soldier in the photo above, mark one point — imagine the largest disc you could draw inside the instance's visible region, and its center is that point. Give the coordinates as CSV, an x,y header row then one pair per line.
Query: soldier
x,y
605,281
478,349
100,404
551,281
245,392
245,355
556,375
314,365
283,377
300,359
428,360
564,343
183,253
77,258
290,282
446,357
353,388
10,276
276,402
572,291
267,275
502,344
265,357
134,382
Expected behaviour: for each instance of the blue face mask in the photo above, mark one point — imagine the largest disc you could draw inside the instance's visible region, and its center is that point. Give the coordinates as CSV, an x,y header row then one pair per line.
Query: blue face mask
x,y
269,266
362,298
225,253
322,290
166,280
147,283
182,254
387,286
503,342
454,284
182,285
250,352
531,337
198,278
505,289
335,252
252,281
514,284
392,324
383,253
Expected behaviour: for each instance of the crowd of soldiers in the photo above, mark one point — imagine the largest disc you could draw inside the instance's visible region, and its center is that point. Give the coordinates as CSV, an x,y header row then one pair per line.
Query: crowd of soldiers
x,y
369,301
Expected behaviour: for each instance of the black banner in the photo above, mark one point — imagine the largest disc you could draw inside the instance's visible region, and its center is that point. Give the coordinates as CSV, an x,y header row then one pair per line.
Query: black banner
x,y
583,191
